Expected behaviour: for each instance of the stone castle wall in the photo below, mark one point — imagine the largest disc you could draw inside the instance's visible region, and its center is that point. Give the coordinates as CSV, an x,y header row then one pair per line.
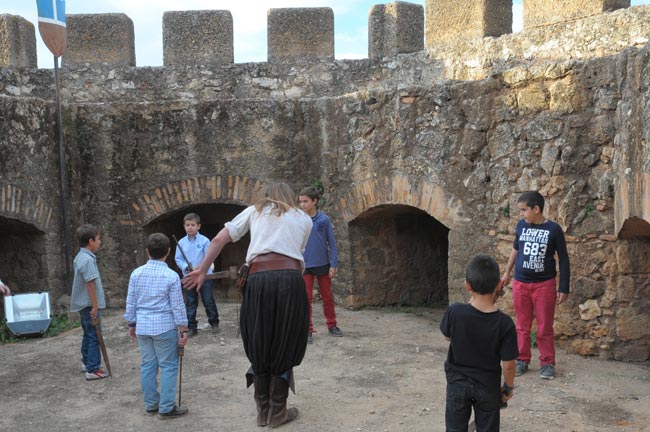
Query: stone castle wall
x,y
453,134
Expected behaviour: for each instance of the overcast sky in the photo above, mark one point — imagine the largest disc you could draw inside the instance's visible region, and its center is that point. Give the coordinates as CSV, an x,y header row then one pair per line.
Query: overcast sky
x,y
249,16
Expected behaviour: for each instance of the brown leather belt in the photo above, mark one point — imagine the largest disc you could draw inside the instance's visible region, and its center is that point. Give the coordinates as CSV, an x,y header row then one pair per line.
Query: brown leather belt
x,y
273,261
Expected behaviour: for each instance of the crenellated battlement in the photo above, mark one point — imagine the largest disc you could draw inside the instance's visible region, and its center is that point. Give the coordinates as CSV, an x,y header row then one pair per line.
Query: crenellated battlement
x,y
295,35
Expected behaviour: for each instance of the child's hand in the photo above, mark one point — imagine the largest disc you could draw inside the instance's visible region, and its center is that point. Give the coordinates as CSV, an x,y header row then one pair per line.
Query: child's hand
x,y
93,312
4,289
131,334
506,394
182,340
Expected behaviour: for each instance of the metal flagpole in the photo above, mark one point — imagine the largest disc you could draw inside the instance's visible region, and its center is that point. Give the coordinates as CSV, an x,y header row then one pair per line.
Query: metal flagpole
x,y
51,25
65,201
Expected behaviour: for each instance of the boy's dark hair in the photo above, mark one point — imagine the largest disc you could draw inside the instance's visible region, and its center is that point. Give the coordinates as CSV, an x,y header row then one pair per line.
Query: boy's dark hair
x,y
157,245
482,274
193,217
310,192
85,233
532,199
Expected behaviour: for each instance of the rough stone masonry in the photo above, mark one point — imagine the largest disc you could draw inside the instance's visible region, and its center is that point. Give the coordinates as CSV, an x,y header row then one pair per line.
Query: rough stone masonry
x,y
422,152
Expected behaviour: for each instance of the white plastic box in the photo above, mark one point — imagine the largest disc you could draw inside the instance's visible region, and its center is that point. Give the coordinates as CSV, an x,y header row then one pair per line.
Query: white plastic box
x,y
27,313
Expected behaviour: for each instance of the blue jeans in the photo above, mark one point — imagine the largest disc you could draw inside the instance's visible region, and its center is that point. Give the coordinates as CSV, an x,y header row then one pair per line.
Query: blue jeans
x,y
461,397
192,303
90,354
159,351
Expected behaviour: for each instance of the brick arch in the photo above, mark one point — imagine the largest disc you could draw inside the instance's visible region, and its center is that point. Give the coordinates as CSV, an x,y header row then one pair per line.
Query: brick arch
x,y
399,189
25,205
182,193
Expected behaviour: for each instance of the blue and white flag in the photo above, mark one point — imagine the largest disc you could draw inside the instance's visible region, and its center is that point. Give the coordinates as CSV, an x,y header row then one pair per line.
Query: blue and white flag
x,y
51,24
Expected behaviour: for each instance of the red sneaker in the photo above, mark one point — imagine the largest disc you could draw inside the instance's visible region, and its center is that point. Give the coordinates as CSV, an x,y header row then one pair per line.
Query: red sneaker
x,y
97,375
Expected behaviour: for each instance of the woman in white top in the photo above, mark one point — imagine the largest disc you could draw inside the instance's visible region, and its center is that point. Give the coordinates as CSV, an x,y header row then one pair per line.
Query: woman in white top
x,y
274,317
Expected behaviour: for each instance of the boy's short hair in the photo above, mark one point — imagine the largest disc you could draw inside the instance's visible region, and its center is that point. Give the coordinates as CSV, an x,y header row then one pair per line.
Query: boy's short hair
x,y
532,199
85,233
157,245
482,274
310,192
192,217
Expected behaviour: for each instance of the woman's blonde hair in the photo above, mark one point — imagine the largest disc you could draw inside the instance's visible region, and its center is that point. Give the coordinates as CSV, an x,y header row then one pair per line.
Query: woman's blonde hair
x,y
280,197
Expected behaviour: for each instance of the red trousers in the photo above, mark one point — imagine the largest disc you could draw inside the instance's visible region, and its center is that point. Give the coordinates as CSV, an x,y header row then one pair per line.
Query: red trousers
x,y
325,288
535,299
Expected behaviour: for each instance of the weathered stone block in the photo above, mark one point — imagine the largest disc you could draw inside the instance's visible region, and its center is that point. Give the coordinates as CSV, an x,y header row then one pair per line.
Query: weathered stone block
x,y
632,323
585,289
584,347
635,351
633,256
566,96
99,38
395,28
542,12
17,42
626,288
589,310
300,34
197,37
532,99
466,19
598,331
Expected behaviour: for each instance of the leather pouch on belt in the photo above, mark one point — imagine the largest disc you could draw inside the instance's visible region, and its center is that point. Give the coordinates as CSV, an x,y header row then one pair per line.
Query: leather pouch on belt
x,y
242,275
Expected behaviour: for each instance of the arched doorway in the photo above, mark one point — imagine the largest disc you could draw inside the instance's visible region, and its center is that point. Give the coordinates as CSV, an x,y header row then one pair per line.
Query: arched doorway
x,y
399,255
22,256
213,217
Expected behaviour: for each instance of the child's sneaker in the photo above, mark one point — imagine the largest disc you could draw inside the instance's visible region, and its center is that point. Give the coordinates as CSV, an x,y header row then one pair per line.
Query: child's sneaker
x,y
547,372
97,375
83,367
520,367
335,331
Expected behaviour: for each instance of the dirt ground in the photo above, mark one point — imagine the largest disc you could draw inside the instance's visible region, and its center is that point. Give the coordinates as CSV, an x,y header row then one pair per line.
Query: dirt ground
x,y
385,374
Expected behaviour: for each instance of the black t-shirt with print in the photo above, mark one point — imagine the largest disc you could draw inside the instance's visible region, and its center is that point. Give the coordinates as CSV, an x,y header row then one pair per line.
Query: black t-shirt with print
x,y
479,343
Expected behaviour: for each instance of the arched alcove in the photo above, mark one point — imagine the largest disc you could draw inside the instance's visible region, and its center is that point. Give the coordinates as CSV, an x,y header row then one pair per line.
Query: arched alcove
x,y
213,217
635,227
399,255
22,256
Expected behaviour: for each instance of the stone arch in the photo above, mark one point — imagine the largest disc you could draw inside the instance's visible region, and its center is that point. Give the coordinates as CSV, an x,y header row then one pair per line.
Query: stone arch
x,y
25,206
213,217
24,218
399,255
217,199
23,263
398,239
635,227
179,194
399,189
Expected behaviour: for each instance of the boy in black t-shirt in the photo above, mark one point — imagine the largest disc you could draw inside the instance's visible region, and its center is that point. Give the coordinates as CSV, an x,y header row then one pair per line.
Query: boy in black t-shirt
x,y
481,338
